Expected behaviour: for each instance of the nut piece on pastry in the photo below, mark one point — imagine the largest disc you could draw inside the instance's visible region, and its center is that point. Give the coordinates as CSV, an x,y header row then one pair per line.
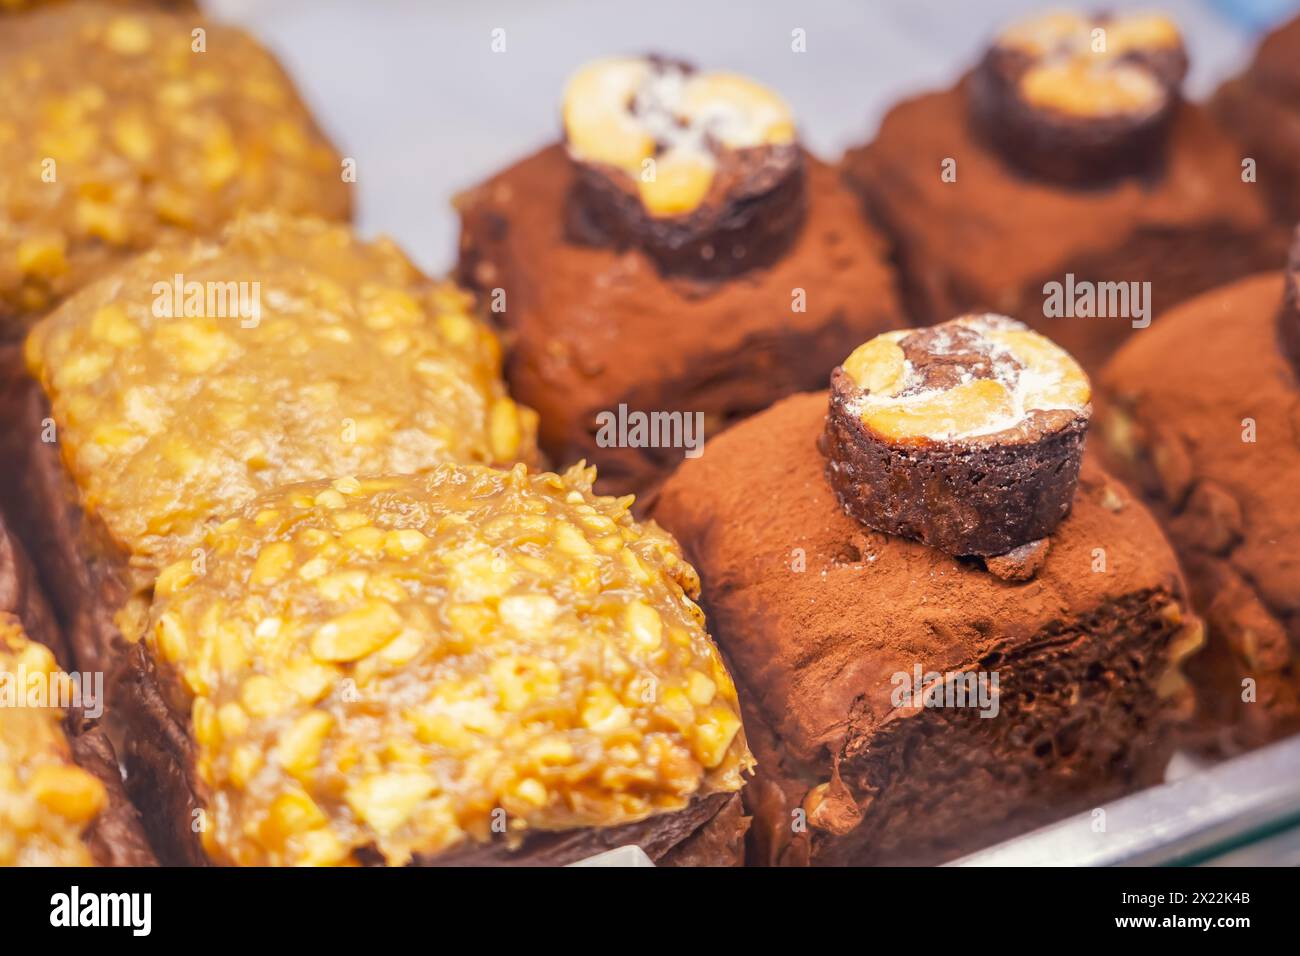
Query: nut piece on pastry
x,y
1080,98
700,170
382,665
966,436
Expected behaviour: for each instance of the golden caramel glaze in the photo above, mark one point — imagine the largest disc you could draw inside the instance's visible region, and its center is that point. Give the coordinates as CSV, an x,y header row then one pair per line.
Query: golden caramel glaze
x,y
46,801
356,363
396,663
116,133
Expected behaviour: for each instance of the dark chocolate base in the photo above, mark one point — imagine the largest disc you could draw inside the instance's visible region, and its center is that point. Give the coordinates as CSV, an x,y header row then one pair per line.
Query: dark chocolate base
x,y
976,498
86,582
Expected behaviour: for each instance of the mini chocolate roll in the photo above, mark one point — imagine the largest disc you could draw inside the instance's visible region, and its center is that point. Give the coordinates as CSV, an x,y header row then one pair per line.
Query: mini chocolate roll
x,y
1080,99
1288,322
966,436
702,171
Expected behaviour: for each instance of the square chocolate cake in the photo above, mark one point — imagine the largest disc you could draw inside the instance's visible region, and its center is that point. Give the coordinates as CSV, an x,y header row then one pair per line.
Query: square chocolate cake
x,y
1262,108
846,643
1204,417
1015,193
612,296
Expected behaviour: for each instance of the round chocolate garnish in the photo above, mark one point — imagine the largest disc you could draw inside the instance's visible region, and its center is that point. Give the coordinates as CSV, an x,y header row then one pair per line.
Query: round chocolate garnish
x,y
1288,323
1080,98
700,170
966,436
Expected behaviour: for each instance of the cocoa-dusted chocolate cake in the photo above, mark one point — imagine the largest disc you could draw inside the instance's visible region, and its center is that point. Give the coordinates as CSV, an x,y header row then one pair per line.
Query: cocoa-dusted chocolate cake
x,y
677,253
1262,107
1057,177
1203,415
1056,665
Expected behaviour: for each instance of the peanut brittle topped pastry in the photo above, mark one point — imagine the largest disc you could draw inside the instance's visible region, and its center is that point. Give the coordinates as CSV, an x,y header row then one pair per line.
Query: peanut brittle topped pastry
x,y
948,624
466,667
206,372
677,252
125,124
1215,447
1066,159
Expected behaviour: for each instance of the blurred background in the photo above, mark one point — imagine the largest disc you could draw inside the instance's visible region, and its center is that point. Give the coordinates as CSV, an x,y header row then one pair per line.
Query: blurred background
x,y
414,92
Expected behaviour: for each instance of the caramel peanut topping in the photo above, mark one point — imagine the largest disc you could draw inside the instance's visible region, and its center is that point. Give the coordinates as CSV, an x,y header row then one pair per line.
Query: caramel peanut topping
x,y
351,361
1094,66
46,800
396,663
973,376
117,132
623,112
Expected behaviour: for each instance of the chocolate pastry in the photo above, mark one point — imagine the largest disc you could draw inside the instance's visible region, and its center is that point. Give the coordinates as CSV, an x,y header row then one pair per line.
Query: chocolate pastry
x,y
600,331
1081,99
1088,263
1262,107
699,170
118,135
467,666
965,436
852,648
1203,415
